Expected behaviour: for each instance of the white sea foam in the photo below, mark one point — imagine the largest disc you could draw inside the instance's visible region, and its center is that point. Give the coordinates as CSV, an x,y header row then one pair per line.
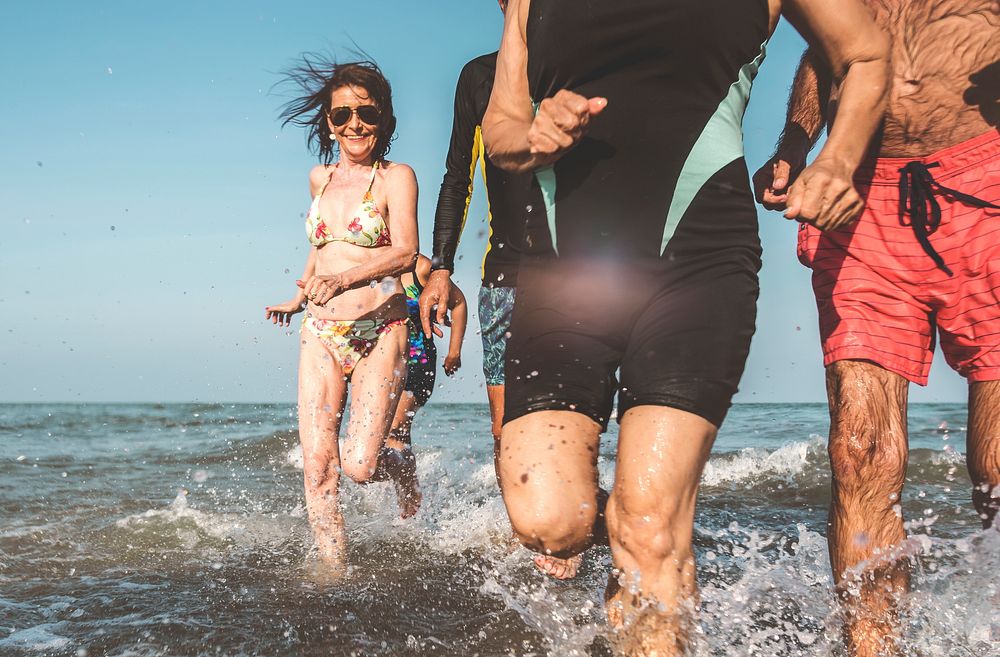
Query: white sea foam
x,y
753,464
948,456
294,458
192,526
39,638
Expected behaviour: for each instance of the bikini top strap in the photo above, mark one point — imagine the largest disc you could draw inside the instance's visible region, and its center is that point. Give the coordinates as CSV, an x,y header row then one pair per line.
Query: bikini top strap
x,y
325,185
371,181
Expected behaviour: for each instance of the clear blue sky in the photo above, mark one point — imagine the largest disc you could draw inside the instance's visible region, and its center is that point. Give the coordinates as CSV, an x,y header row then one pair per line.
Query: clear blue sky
x,y
151,206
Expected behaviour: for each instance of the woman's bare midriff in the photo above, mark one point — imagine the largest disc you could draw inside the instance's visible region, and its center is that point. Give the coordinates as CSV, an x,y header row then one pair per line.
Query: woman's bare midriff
x,y
383,300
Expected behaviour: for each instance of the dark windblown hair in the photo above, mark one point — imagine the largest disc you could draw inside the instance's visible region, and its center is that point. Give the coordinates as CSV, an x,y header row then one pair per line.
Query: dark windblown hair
x,y
317,77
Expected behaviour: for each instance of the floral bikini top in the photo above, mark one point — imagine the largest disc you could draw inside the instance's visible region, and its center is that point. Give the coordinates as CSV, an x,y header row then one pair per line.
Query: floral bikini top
x,y
367,227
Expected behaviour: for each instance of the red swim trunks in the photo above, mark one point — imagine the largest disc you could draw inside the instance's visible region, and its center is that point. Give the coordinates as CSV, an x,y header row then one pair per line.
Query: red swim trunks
x,y
880,291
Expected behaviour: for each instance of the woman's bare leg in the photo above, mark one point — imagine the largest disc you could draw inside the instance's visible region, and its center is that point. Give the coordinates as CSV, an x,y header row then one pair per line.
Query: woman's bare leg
x,y
399,433
661,455
322,392
557,567
376,386
548,476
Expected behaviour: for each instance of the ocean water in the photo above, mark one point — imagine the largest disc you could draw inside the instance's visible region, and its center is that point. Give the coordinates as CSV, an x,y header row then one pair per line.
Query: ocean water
x,y
141,530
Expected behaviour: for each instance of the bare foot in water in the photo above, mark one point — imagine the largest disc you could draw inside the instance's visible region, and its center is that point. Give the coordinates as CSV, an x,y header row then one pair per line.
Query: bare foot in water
x,y
613,601
320,571
559,568
327,563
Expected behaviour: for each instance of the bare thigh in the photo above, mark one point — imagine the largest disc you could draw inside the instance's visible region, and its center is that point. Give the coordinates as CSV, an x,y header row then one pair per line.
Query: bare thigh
x,y
376,386
495,396
548,475
322,394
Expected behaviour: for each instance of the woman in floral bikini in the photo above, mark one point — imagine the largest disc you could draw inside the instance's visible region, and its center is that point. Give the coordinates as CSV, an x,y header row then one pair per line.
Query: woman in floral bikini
x,y
362,226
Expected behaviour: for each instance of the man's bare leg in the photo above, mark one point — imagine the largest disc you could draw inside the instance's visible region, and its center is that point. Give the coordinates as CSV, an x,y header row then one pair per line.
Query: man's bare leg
x,y
548,476
661,455
983,449
868,454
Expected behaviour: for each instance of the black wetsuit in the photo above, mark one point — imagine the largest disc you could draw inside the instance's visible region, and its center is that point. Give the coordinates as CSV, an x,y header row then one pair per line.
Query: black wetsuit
x,y
641,245
505,192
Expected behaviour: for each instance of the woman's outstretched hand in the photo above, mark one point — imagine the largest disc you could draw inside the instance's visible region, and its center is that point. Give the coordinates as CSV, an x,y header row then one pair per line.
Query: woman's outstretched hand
x,y
320,289
281,314
560,124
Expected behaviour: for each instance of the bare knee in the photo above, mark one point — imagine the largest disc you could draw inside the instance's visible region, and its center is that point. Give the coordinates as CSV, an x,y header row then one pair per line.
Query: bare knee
x,y
555,527
650,535
321,476
868,466
868,448
359,469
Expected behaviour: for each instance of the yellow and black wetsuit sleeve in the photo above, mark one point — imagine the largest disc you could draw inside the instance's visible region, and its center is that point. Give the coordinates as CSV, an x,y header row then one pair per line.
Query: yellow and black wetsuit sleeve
x,y
463,153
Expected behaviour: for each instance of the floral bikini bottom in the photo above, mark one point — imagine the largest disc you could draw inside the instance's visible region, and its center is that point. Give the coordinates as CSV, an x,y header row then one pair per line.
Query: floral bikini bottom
x,y
349,340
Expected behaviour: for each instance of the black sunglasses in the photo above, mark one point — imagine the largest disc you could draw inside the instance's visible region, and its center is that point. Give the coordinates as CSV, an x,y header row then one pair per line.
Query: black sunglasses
x,y
367,113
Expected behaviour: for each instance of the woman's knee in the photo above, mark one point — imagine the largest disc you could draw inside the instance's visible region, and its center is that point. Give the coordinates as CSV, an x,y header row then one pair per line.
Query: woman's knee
x,y
650,533
559,527
360,468
321,474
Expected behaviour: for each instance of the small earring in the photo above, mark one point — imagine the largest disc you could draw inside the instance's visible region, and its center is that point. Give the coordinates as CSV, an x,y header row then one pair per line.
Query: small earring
x,y
333,137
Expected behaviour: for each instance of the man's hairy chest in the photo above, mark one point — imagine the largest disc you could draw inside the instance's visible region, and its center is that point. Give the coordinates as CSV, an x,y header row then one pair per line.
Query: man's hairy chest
x,y
948,39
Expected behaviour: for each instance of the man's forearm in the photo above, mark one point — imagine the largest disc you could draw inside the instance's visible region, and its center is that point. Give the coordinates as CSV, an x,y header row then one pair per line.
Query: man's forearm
x,y
861,107
506,140
807,108
449,219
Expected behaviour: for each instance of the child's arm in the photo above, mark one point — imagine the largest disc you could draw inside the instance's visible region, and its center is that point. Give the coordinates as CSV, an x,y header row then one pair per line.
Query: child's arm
x,y
459,321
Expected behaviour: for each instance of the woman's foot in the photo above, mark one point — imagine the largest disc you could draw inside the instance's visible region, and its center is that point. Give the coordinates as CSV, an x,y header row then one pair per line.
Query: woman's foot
x,y
327,563
559,568
324,572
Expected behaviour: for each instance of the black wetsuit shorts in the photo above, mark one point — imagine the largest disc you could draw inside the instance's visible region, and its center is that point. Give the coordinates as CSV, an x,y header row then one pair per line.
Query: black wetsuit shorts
x,y
672,331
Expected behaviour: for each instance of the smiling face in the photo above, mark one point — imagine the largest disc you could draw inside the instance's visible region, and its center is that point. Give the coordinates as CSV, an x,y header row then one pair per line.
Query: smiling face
x,y
356,138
